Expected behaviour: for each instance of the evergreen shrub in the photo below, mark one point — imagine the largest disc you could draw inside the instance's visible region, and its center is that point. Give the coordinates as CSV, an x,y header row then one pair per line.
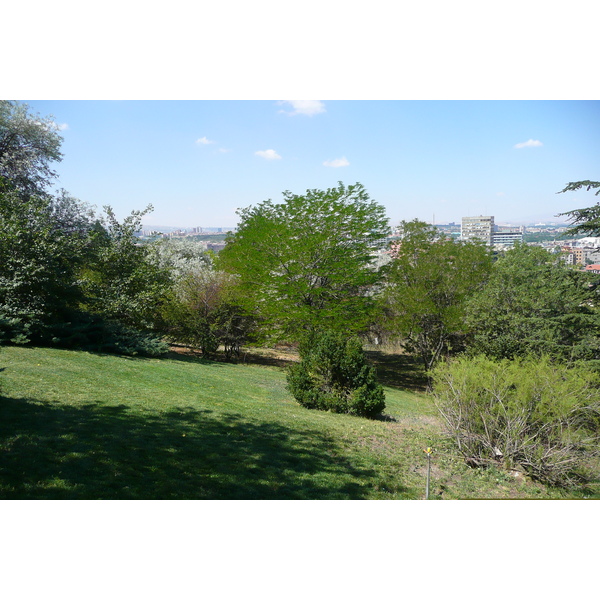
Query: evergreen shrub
x,y
333,375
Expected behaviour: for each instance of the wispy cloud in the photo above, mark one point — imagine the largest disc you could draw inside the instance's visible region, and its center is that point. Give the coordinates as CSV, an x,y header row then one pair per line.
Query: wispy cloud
x,y
337,162
268,154
529,144
304,107
203,141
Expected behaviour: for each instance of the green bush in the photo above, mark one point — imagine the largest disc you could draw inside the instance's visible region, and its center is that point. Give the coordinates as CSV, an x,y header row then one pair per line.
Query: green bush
x,y
333,375
14,329
95,333
530,414
83,331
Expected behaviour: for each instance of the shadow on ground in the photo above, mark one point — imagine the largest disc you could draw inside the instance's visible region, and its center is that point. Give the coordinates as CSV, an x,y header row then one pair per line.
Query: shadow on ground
x,y
400,371
250,356
54,451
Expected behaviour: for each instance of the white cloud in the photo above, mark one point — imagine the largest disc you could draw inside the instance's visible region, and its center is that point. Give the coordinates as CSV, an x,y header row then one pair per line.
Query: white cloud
x,y
337,162
304,107
529,144
268,154
204,140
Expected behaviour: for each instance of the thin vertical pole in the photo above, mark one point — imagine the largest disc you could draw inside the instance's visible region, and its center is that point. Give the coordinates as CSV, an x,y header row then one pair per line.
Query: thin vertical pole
x,y
428,475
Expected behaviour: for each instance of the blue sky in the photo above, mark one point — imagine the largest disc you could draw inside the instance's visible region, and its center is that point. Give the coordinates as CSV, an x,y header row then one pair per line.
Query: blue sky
x,y
198,161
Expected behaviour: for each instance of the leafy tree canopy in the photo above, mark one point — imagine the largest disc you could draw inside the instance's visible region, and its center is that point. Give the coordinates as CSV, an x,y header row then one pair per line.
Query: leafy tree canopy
x,y
534,304
182,257
585,220
120,281
307,263
29,144
429,282
39,259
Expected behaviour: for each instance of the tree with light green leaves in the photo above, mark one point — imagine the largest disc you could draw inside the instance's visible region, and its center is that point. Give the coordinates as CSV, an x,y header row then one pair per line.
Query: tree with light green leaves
x,y
308,263
429,281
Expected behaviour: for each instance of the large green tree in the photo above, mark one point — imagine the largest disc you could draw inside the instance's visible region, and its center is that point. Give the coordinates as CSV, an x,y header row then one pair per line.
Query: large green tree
x,y
429,282
29,144
66,276
121,280
584,220
40,259
307,263
534,304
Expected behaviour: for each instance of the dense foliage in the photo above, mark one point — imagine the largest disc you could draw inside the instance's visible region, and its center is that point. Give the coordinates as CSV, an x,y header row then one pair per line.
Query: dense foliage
x,y
204,313
534,304
333,375
120,279
67,276
430,279
529,414
39,262
29,144
307,264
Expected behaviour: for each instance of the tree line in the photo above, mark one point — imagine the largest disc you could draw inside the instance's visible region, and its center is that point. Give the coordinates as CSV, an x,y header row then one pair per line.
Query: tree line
x,y
316,270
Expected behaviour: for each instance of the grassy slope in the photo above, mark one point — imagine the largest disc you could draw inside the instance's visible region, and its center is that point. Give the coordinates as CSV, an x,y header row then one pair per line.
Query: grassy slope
x,y
78,425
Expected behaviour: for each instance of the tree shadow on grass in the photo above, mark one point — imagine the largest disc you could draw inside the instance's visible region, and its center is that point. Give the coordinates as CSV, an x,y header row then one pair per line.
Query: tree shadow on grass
x,y
55,451
400,371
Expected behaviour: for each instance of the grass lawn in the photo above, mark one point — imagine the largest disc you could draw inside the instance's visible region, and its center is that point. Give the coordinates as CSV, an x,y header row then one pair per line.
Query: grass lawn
x,y
76,425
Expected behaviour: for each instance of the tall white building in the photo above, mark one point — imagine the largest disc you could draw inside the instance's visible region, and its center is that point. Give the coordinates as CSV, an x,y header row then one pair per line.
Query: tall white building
x,y
479,228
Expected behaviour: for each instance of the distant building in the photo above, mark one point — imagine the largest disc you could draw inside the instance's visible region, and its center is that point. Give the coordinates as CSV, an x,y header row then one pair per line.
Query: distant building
x,y
477,228
590,242
506,238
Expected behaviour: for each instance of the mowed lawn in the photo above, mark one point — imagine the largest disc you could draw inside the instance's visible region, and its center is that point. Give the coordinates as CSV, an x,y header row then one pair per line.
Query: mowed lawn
x,y
76,425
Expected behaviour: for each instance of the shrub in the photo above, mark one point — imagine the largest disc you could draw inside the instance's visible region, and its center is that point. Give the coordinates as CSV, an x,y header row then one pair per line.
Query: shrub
x,y
203,313
333,375
528,413
94,333
14,329
83,331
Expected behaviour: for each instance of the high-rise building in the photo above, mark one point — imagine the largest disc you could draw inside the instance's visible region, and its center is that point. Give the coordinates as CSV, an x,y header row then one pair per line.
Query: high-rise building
x,y
479,228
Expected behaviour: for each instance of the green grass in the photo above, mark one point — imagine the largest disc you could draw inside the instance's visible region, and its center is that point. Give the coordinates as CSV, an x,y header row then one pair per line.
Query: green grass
x,y
76,425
